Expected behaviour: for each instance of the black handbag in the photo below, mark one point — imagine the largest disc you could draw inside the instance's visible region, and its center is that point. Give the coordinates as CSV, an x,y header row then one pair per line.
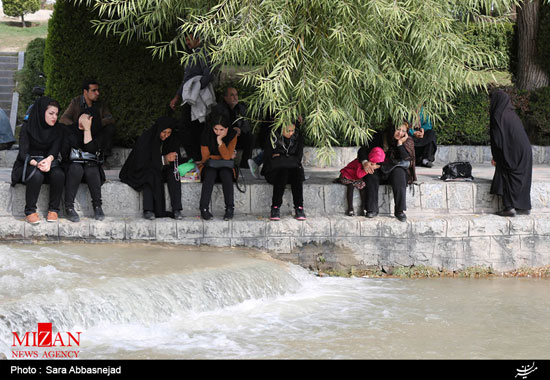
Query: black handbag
x,y
284,162
78,156
460,170
28,158
218,164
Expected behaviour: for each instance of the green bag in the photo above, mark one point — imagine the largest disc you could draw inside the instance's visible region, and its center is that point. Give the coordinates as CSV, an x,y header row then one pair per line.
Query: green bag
x,y
184,168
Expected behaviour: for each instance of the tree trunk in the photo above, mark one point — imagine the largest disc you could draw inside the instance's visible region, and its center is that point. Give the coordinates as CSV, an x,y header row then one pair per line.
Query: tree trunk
x,y
530,75
23,20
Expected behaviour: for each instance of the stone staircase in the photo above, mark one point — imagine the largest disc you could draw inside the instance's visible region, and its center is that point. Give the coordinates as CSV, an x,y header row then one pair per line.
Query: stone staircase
x,y
9,63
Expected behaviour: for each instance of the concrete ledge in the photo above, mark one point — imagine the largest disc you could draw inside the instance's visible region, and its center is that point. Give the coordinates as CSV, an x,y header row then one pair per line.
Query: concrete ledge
x,y
337,242
321,197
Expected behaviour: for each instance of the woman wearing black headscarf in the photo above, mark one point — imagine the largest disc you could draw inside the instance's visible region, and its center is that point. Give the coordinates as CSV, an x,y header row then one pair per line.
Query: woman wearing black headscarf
x,y
151,163
218,151
87,136
39,145
397,170
512,157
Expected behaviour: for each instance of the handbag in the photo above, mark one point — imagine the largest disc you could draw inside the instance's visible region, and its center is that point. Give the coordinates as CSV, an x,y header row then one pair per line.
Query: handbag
x,y
284,162
219,164
28,158
460,171
388,167
78,156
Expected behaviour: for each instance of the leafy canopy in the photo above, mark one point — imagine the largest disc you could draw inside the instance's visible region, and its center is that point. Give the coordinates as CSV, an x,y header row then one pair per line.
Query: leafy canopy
x,y
343,65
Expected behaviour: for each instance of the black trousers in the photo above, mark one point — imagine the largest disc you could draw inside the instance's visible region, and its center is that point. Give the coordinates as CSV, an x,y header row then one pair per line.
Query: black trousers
x,y
245,143
425,147
282,177
209,176
190,134
397,179
55,177
174,190
75,173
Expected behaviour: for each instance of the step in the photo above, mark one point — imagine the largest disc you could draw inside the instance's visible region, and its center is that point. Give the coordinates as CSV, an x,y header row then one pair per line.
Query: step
x,y
8,66
9,59
7,73
429,196
7,82
6,96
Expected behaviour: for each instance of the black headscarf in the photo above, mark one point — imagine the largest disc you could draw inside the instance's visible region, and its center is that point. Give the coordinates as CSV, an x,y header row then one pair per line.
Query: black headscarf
x,y
37,128
74,136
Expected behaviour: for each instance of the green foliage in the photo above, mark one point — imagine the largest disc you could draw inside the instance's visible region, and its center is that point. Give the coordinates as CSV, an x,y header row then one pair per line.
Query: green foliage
x,y
136,86
494,37
344,66
18,8
30,75
469,123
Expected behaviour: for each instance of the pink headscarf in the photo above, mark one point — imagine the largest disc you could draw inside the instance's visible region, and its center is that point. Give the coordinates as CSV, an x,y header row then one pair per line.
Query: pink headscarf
x,y
377,155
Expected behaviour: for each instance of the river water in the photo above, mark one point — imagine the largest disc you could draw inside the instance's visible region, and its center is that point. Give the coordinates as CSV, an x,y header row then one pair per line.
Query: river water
x,y
136,301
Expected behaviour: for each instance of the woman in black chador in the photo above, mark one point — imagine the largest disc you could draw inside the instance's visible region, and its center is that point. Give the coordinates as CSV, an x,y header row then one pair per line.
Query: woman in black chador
x,y
151,163
86,135
39,145
512,157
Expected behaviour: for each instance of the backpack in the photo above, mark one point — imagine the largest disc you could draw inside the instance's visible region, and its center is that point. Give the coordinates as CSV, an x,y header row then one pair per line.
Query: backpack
x,y
460,170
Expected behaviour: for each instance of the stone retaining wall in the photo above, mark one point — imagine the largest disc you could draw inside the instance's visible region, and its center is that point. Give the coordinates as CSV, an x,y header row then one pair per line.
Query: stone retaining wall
x,y
453,242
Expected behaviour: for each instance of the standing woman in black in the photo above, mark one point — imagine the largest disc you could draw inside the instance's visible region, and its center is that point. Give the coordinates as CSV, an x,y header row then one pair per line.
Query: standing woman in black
x,y
151,163
87,136
37,163
512,157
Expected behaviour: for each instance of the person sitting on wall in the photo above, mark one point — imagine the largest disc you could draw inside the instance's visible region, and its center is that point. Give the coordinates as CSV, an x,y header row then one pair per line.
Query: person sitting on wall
x,y
85,138
218,154
37,161
90,99
235,112
397,170
153,162
425,143
282,166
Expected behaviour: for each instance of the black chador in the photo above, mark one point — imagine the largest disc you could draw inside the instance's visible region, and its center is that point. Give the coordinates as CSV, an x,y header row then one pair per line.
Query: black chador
x,y
512,154
145,171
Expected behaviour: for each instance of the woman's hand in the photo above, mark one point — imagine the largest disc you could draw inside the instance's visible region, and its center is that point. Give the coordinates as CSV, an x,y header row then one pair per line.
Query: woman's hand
x,y
85,122
174,102
419,134
170,157
493,162
402,140
222,134
370,167
275,155
45,164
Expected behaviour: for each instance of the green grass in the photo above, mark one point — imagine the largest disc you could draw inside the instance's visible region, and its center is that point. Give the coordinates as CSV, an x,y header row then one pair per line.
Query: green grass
x,y
15,38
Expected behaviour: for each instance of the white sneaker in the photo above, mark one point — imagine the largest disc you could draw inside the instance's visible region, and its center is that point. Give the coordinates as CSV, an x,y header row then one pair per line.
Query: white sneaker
x,y
254,169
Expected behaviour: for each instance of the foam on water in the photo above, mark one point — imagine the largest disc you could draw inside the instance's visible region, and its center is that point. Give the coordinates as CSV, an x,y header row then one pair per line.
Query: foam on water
x,y
145,301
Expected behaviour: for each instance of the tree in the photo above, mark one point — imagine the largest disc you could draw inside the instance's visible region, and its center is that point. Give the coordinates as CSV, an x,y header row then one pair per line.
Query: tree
x,y
530,73
345,65
19,8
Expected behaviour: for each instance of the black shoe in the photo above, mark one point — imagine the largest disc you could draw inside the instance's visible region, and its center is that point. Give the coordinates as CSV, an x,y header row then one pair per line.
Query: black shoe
x,y
523,212
149,215
71,215
350,213
371,214
507,212
205,214
401,216
229,213
427,163
178,215
98,213
275,213
300,214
